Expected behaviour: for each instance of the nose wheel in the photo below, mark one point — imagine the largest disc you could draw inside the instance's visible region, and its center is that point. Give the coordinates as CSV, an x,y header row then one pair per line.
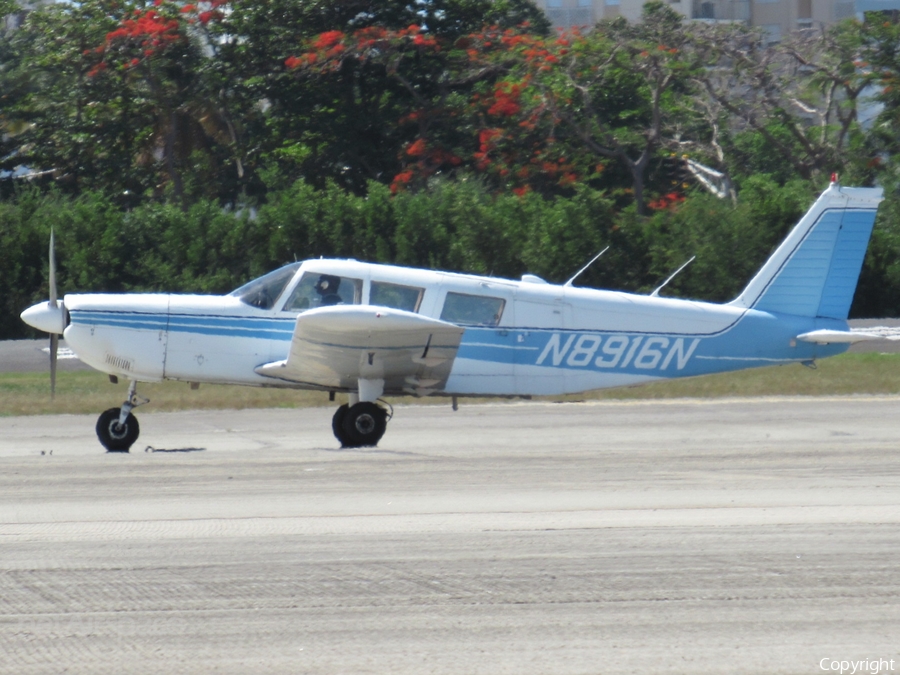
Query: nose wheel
x,y
118,428
360,425
117,436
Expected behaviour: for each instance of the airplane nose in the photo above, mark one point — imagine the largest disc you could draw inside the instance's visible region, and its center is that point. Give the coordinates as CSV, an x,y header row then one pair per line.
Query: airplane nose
x,y
45,317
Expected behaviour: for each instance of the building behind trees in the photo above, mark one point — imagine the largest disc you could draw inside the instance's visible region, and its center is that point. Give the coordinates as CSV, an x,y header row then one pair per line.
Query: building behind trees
x,y
776,17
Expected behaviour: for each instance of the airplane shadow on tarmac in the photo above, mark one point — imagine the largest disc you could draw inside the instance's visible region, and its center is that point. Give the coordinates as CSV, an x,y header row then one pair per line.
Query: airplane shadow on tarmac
x,y
150,448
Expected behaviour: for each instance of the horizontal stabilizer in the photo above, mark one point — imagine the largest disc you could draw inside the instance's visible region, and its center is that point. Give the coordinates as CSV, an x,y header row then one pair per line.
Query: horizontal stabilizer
x,y
829,337
336,346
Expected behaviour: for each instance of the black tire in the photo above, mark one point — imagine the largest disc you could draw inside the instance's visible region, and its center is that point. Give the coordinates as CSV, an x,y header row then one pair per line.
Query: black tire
x,y
117,437
364,424
337,425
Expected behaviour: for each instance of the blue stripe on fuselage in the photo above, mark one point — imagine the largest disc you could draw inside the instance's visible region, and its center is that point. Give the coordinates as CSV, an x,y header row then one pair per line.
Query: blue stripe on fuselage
x,y
234,326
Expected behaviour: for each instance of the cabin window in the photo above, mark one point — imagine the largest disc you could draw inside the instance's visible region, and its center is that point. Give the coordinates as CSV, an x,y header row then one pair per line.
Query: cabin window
x,y
263,292
472,310
396,296
321,290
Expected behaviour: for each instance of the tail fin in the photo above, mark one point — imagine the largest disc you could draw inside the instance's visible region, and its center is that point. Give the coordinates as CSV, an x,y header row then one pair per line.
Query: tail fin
x,y
813,273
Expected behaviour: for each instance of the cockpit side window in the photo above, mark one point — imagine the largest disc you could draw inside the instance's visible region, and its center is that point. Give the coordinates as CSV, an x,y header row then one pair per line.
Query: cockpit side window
x,y
397,296
321,290
264,291
472,310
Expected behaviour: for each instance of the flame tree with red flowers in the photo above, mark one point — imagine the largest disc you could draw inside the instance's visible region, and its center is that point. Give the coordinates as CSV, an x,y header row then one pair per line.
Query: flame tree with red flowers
x,y
460,103
349,117
423,73
614,98
531,112
160,49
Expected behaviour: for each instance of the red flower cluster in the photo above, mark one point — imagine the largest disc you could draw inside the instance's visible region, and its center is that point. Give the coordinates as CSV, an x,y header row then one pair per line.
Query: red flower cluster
x,y
487,141
149,28
428,162
328,39
506,99
400,181
426,41
417,148
666,201
97,69
486,138
368,37
206,17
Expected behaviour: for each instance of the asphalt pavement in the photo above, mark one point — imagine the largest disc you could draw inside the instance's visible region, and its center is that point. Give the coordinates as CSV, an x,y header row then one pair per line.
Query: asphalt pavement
x,y
32,356
727,536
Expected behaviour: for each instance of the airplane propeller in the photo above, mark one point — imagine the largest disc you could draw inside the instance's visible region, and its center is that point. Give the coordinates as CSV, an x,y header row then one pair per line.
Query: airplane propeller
x,y
49,316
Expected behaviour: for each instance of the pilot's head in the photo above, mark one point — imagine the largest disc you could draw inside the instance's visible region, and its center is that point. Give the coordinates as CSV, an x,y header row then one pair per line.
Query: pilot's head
x,y
327,284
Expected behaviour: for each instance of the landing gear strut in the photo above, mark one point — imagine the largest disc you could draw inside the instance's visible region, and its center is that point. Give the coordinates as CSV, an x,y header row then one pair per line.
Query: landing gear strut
x,y
360,425
117,428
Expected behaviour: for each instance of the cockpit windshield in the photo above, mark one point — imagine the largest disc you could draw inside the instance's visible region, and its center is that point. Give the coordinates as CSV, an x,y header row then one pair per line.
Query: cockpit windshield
x,y
263,292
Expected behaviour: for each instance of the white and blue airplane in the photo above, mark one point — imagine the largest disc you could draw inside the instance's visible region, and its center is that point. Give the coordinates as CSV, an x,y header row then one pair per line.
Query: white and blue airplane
x,y
372,330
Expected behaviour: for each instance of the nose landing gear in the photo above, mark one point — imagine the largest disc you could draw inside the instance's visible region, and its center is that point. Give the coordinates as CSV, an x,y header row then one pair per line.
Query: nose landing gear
x,y
117,428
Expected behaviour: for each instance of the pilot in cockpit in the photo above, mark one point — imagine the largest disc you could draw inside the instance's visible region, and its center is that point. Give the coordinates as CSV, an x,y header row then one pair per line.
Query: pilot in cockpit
x,y
327,287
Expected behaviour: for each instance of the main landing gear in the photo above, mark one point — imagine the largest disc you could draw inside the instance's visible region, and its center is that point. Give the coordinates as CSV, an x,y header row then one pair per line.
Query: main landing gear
x,y
361,421
117,428
359,424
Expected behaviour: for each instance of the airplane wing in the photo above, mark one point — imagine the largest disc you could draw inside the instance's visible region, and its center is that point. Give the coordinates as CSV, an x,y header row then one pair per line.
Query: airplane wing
x,y
825,337
334,347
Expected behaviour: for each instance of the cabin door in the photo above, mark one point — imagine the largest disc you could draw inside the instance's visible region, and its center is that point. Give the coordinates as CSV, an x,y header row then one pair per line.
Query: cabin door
x,y
539,340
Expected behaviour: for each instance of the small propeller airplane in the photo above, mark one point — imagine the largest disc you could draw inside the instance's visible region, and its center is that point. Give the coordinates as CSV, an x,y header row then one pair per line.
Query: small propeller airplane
x,y
370,330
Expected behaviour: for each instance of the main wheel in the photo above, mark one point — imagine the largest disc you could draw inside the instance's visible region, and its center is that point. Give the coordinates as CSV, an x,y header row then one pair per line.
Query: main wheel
x,y
337,425
364,424
117,437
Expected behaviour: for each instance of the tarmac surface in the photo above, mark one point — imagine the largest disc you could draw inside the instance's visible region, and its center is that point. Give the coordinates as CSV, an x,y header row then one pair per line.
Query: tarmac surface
x,y
739,536
33,356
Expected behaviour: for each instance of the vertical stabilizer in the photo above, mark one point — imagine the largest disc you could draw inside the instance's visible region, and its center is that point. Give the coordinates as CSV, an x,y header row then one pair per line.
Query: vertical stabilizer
x,y
813,273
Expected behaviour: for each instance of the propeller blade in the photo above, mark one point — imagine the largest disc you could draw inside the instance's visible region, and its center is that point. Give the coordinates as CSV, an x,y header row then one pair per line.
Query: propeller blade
x,y
52,282
53,302
54,349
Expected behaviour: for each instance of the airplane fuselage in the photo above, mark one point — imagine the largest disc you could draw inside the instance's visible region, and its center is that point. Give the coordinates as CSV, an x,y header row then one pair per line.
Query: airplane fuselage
x,y
543,339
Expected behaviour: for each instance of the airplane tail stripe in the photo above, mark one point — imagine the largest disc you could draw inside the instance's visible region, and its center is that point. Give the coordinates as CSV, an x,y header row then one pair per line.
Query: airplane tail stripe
x,y
797,289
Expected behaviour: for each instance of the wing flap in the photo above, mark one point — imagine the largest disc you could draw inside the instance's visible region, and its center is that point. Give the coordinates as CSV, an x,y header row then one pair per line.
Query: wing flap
x,y
335,347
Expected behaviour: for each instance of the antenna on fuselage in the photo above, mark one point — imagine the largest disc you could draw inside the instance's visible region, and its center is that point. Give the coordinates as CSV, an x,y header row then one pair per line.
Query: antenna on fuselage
x,y
674,274
578,273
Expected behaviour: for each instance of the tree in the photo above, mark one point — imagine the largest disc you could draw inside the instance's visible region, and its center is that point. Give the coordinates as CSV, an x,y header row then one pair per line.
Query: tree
x,y
164,52
54,110
796,103
614,96
340,118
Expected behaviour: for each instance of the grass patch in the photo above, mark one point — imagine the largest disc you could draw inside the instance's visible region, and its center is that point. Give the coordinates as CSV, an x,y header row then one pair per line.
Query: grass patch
x,y
868,373
83,392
